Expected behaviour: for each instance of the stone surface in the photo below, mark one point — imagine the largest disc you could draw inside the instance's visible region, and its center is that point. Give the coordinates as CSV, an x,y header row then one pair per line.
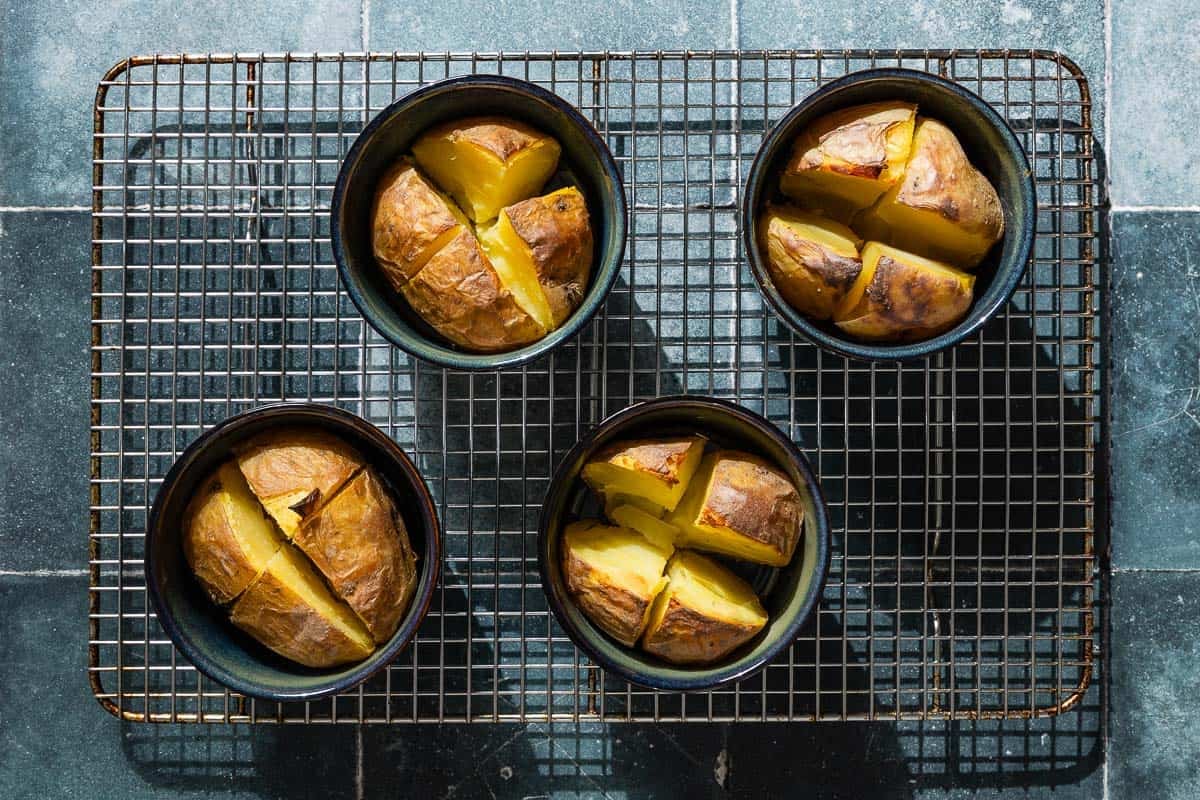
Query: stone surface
x,y
44,314
1072,27
1155,683
52,62
533,25
1156,61
1156,390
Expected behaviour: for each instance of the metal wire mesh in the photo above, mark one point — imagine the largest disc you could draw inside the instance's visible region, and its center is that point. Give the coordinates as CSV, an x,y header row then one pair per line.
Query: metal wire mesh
x,y
961,487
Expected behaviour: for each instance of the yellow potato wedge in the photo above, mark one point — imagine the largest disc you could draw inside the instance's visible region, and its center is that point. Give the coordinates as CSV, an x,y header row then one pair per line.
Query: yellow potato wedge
x,y
813,261
358,542
657,469
487,163
614,574
943,208
846,159
901,296
740,505
658,531
227,539
293,472
705,612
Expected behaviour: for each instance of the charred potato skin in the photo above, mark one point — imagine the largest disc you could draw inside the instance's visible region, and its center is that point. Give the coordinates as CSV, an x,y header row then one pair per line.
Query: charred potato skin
x,y
556,229
904,301
811,277
686,637
408,221
660,458
279,462
498,136
614,609
273,615
359,543
460,295
210,547
753,498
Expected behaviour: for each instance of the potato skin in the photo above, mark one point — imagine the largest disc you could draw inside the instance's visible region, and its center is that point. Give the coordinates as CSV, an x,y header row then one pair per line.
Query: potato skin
x,y
614,609
686,636
903,301
811,277
752,497
211,548
661,458
408,220
273,614
460,295
556,229
501,137
358,542
302,461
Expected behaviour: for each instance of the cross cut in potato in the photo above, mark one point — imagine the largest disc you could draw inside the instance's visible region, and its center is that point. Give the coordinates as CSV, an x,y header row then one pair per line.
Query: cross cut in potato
x,y
404,241
813,260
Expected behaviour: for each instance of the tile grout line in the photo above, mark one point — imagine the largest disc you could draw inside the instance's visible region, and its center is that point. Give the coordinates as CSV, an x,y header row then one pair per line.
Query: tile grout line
x,y
44,573
365,24
1155,570
735,28
26,209
1108,96
358,760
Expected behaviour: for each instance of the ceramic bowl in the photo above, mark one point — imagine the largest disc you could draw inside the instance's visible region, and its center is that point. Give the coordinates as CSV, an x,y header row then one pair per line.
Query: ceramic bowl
x,y
990,145
585,162
789,594
201,630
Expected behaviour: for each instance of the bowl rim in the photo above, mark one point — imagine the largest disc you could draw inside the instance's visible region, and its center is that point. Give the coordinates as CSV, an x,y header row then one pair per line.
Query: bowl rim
x,y
705,678
602,279
422,598
1008,278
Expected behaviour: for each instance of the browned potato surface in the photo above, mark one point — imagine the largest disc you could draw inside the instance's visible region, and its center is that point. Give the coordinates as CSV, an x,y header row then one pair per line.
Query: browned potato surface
x,y
740,505
943,208
614,575
901,296
705,612
813,260
411,220
656,469
460,294
358,542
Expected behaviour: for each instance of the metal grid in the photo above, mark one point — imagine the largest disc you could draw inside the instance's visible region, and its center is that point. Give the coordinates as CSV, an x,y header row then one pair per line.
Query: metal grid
x,y
961,487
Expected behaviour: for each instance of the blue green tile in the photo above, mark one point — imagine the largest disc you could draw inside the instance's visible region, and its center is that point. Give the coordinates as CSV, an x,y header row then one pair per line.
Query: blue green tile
x,y
1155,299
559,24
56,51
1155,685
1155,67
44,314
58,742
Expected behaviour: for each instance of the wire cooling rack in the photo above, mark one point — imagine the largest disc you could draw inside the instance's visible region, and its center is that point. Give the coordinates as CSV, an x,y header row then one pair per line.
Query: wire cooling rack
x,y
962,488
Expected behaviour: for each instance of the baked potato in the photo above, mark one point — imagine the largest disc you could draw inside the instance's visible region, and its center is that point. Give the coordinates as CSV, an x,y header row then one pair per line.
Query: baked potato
x,y
614,500
359,544
656,469
740,505
410,221
943,207
846,159
290,610
654,528
614,575
294,471
487,163
463,297
813,261
703,614
542,248
902,296
227,539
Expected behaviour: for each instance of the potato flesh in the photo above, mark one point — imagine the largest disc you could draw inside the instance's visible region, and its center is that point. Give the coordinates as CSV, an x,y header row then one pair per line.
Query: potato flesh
x,y
944,208
703,584
614,574
902,295
290,610
228,541
813,260
615,500
845,160
553,233
660,533
487,164
657,470
514,265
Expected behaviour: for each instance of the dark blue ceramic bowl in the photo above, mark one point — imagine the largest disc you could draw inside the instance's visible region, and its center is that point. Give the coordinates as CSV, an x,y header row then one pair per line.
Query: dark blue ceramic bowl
x,y
586,162
990,145
789,594
201,630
